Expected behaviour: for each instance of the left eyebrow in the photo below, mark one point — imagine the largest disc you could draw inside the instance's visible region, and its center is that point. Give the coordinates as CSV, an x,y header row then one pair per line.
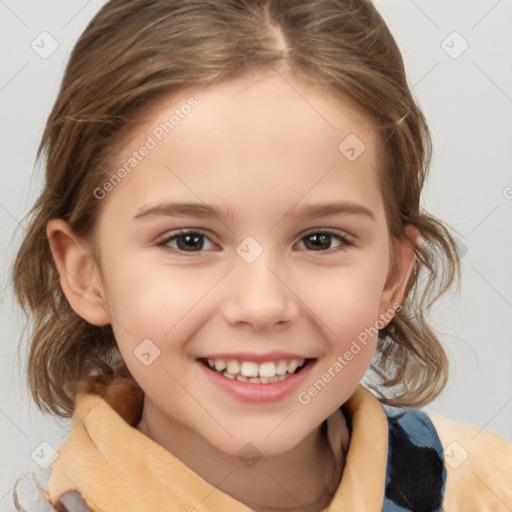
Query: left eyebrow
x,y
336,208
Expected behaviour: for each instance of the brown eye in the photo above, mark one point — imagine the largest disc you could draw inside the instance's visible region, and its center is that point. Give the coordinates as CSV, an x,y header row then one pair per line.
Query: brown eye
x,y
318,241
188,241
324,241
192,242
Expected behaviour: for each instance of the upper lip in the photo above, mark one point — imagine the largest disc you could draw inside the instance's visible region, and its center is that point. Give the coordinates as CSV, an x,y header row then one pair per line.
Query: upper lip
x,y
257,358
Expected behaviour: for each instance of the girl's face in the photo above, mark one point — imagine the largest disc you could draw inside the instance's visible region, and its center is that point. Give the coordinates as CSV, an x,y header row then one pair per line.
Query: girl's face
x,y
248,225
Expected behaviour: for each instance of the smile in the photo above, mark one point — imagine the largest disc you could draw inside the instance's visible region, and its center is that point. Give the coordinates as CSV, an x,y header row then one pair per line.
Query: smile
x,y
267,372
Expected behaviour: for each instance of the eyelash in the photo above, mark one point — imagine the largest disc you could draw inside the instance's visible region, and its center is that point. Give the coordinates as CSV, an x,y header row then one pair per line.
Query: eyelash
x,y
345,240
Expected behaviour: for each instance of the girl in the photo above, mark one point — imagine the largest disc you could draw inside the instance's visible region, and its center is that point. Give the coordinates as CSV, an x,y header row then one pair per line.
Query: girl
x,y
230,236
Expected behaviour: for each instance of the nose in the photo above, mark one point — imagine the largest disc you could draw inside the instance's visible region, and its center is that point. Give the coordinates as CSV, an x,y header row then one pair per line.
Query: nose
x,y
259,297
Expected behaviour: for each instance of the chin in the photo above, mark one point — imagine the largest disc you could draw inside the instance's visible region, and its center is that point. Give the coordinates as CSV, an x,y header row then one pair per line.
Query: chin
x,y
255,444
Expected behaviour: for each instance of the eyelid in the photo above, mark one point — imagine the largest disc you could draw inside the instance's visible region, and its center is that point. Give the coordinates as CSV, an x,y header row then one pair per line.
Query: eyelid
x,y
345,238
331,231
163,240
181,231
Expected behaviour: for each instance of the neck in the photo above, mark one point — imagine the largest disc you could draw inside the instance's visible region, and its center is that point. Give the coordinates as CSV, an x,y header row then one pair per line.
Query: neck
x,y
304,478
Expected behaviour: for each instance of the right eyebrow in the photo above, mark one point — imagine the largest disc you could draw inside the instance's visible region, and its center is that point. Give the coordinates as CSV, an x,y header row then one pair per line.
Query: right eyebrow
x,y
200,210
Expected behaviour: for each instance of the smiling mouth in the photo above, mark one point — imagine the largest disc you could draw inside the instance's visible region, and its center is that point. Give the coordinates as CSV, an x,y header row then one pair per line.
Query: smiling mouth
x,y
268,372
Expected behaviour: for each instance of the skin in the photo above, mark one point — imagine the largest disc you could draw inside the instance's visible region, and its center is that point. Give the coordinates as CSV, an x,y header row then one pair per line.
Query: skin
x,y
265,151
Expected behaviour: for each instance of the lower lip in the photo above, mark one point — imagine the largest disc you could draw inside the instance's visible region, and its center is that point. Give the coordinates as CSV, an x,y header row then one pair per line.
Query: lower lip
x,y
253,392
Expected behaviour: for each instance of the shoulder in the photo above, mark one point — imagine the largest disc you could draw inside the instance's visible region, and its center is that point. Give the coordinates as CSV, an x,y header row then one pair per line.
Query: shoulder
x,y
415,475
30,494
28,491
450,464
478,464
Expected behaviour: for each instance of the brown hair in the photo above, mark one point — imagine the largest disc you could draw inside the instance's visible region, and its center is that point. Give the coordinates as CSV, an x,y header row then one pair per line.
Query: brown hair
x,y
133,52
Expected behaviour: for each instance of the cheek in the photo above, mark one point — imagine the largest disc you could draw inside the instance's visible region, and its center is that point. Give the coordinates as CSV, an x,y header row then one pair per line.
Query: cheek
x,y
151,313
347,309
146,300
345,299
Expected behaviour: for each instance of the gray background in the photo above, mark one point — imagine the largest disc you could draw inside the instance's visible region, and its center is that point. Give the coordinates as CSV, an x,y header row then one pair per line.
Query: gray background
x,y
468,103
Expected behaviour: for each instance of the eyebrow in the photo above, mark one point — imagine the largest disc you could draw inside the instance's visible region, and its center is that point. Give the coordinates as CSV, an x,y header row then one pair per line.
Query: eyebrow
x,y
202,210
337,208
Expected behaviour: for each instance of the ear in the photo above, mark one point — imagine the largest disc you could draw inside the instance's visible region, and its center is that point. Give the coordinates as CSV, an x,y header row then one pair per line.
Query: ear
x,y
399,273
80,277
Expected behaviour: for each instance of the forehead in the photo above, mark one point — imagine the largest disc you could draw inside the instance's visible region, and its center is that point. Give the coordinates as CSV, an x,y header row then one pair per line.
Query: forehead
x,y
263,135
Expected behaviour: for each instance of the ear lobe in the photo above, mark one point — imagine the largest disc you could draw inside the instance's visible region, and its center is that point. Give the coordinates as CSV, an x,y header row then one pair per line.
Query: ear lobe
x,y
80,278
398,277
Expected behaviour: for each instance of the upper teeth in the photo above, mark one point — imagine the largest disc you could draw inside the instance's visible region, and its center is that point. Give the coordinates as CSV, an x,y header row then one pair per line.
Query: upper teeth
x,y
253,369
